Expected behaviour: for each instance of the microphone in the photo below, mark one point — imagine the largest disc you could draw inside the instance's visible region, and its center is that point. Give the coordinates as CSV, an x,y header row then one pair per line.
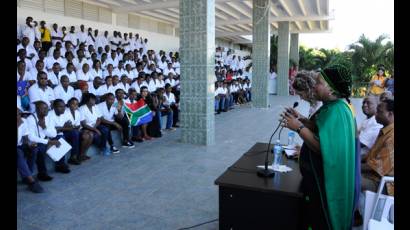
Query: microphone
x,y
266,172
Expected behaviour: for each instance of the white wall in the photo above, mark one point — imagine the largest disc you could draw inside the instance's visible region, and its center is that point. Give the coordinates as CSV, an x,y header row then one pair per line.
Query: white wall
x,y
156,41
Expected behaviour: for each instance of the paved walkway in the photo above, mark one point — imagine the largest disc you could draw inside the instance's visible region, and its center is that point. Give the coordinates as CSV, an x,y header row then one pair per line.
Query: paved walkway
x,y
160,184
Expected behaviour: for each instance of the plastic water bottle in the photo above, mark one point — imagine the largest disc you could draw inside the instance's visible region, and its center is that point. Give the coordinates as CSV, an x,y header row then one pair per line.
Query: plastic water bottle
x,y
291,138
277,154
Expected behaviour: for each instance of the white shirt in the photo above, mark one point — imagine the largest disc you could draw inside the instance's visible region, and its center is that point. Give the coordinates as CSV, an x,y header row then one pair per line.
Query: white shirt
x,y
78,94
89,41
167,71
79,64
152,86
75,121
29,50
36,133
81,76
131,75
29,65
22,130
26,77
71,37
82,36
234,88
131,63
91,88
172,82
104,89
72,77
59,121
60,93
35,93
368,132
162,65
125,87
90,117
100,41
55,79
170,98
50,62
56,34
107,114
96,73
136,86
114,61
19,103
160,84
29,32
115,40
219,90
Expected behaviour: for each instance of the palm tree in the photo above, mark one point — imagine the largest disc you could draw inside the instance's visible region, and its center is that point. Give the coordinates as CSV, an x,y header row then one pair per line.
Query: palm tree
x,y
368,54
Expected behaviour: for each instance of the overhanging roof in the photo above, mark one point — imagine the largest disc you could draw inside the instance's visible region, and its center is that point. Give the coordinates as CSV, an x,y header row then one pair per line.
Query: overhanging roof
x,y
233,18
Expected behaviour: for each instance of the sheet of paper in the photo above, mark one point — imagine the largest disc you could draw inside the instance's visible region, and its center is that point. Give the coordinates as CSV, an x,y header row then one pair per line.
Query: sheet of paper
x,y
57,153
288,146
290,152
279,168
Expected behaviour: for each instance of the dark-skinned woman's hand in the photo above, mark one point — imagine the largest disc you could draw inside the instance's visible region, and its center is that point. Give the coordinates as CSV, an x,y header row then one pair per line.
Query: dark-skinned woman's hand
x,y
290,122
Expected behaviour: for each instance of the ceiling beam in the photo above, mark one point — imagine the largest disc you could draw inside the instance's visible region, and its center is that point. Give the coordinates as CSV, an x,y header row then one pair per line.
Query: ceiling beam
x,y
157,16
165,5
277,19
109,2
130,1
302,7
240,9
175,10
318,7
227,11
242,33
164,12
308,25
285,7
298,25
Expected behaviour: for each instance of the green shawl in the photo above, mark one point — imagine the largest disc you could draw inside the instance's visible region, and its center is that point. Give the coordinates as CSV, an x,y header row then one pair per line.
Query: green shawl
x,y
336,127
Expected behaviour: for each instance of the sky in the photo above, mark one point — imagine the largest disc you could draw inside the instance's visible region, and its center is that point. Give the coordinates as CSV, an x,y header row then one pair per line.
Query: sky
x,y
351,19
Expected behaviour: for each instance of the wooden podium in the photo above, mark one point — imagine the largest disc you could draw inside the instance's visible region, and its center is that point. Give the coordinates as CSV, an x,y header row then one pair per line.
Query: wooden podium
x,y
247,201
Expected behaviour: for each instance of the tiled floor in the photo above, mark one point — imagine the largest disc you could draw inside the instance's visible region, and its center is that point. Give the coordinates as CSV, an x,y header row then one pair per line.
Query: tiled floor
x,y
160,184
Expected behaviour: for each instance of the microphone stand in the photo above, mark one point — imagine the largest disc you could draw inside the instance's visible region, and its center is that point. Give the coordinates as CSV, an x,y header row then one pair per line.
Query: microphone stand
x,y
266,172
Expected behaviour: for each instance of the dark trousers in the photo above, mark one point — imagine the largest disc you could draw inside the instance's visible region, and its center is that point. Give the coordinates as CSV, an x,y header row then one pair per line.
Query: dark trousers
x,y
46,46
73,137
101,140
175,114
125,124
38,156
24,165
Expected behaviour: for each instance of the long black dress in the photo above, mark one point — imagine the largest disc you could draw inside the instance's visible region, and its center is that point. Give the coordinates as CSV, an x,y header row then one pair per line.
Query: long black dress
x,y
315,208
153,129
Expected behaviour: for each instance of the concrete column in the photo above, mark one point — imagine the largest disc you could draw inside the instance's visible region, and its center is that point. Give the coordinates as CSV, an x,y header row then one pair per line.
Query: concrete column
x,y
197,51
294,47
282,82
260,52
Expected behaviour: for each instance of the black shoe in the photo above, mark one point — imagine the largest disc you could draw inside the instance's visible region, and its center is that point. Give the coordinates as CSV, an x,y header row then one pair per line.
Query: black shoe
x,y
44,177
128,144
62,169
74,161
25,181
84,157
35,187
114,149
137,139
225,110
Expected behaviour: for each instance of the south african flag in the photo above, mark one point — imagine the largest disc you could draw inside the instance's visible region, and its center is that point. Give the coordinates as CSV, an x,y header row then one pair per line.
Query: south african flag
x,y
138,112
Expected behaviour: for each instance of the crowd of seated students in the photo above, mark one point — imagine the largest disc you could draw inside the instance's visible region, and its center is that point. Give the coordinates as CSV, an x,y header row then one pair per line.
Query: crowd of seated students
x,y
74,85
232,81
